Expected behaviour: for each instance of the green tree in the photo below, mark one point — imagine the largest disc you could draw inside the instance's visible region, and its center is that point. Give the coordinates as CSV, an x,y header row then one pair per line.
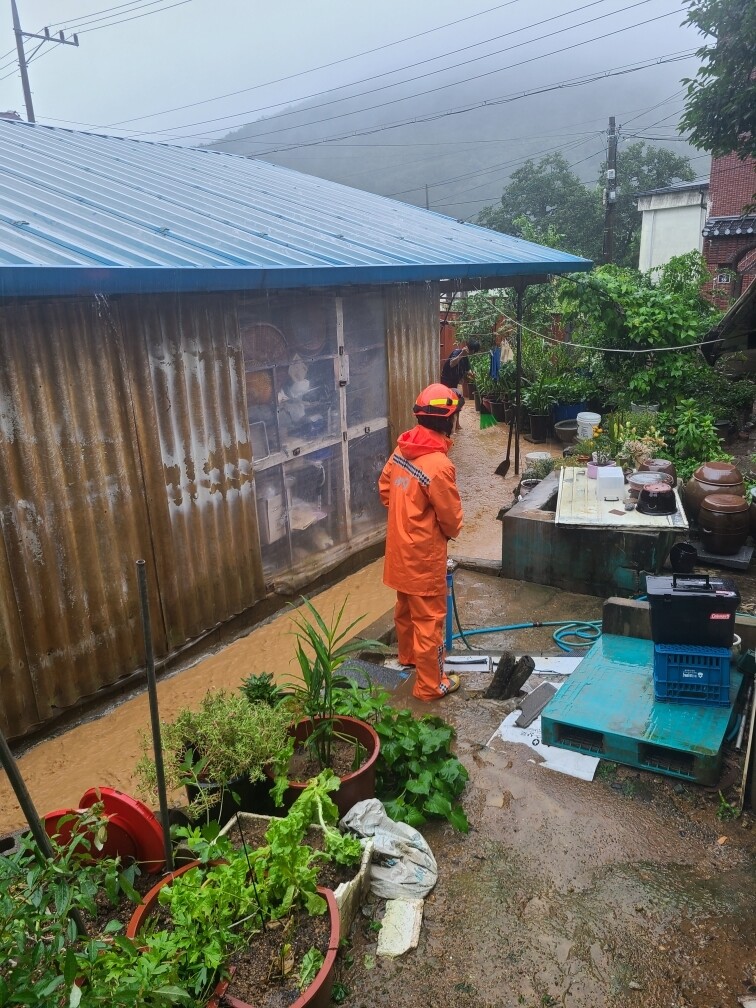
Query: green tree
x,y
547,203
720,107
550,197
640,167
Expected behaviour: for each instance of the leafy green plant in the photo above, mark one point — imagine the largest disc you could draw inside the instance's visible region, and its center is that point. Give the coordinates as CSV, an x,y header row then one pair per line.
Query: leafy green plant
x,y
262,689
225,739
322,650
538,395
726,811
692,438
417,775
44,960
311,962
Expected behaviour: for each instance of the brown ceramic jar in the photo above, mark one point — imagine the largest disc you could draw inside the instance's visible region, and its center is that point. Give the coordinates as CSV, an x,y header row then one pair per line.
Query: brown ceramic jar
x,y
711,478
724,523
660,466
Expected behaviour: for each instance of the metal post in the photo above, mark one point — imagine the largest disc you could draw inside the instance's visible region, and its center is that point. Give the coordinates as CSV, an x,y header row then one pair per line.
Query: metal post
x,y
157,743
520,292
35,824
610,193
450,565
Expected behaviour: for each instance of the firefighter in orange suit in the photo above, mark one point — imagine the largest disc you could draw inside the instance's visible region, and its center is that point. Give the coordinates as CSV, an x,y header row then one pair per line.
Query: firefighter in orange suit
x,y
418,486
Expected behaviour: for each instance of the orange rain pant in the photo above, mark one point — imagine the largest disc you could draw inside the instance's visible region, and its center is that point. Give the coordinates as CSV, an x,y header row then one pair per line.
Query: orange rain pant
x,y
419,621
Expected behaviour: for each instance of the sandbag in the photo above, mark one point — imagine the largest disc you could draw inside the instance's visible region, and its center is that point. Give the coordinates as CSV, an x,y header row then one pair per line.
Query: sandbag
x,y
403,865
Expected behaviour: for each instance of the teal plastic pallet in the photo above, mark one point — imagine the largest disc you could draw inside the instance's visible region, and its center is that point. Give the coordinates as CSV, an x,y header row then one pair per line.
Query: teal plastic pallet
x,y
607,709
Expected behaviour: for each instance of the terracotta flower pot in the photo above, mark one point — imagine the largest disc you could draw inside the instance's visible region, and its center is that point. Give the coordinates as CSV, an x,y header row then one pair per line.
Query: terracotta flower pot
x,y
355,786
317,995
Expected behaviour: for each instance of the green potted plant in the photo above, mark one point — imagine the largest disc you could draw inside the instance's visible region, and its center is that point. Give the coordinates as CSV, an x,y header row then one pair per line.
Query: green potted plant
x,y
218,752
322,737
239,915
538,398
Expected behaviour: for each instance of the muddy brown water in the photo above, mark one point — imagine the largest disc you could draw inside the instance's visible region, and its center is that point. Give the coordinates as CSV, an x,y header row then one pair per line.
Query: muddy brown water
x,y
625,891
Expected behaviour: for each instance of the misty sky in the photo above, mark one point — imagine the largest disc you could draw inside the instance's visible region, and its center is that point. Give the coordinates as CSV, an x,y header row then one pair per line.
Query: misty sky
x,y
131,77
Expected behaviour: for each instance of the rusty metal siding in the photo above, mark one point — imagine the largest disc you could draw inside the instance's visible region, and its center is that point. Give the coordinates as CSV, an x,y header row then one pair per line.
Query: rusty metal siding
x,y
412,336
186,360
72,512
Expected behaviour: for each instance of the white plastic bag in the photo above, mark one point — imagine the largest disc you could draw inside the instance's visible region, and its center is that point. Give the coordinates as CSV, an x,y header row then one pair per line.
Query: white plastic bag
x,y
403,865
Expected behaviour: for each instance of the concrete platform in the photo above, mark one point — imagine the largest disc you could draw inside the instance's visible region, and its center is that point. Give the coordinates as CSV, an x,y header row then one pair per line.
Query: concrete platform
x,y
591,561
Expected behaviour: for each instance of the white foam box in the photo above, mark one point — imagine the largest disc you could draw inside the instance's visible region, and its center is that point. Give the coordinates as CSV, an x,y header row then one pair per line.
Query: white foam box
x,y
610,482
271,517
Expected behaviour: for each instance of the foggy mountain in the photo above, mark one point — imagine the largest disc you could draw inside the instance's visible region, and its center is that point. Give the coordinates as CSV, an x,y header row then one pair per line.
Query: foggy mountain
x,y
466,157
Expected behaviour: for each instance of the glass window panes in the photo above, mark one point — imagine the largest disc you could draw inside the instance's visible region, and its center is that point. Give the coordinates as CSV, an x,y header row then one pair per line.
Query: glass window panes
x,y
367,457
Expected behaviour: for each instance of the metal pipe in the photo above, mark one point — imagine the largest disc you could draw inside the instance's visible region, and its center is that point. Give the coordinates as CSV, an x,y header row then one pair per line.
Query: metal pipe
x,y
157,743
45,848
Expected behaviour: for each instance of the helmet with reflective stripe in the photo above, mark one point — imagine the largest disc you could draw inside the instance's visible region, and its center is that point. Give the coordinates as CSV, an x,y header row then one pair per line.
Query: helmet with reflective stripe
x,y
436,401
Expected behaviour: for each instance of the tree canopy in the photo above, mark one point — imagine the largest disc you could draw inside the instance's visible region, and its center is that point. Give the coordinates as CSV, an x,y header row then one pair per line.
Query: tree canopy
x,y
720,106
548,197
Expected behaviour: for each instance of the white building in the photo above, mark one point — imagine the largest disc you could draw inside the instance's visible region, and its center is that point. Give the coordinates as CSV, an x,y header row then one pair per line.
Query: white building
x,y
673,221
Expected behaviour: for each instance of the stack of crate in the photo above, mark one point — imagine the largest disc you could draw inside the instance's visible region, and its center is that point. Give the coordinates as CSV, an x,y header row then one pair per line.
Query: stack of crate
x,y
692,627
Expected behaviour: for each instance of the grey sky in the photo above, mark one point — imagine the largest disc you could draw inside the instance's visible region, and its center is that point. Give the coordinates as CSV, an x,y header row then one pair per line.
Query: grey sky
x,y
196,50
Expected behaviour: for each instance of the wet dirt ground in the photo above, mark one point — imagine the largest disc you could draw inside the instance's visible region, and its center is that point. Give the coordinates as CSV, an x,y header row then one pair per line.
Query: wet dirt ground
x,y
625,891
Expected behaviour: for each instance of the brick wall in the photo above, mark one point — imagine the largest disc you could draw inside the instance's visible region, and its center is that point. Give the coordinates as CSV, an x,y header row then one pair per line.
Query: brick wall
x,y
733,183
731,190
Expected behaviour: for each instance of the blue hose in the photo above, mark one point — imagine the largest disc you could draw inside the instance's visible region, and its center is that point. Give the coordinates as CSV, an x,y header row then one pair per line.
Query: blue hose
x,y
584,633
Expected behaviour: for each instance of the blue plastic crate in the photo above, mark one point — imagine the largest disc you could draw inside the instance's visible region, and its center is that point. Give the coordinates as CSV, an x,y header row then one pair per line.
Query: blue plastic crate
x,y
691,674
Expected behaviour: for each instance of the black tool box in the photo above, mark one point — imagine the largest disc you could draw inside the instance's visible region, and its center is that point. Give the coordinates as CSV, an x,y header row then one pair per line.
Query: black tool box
x,y
692,609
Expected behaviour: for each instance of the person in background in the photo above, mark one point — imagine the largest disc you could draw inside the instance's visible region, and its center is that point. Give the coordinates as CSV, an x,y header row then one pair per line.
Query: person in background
x,y
456,366
418,485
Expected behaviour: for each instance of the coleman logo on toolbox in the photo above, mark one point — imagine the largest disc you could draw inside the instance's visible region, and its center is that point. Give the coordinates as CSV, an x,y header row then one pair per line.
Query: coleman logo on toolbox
x,y
719,615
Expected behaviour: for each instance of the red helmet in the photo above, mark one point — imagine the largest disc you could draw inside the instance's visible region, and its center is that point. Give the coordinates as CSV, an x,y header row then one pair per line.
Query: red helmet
x,y
436,401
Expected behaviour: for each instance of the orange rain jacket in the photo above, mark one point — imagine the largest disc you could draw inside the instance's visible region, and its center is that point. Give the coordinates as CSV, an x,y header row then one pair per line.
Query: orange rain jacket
x,y
418,486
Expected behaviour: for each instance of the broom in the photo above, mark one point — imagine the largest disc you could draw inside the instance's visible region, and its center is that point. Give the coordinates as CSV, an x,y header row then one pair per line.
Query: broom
x,y
486,419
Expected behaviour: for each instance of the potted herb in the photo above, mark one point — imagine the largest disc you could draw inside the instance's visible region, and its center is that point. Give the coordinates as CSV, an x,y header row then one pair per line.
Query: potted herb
x,y
218,753
243,913
322,737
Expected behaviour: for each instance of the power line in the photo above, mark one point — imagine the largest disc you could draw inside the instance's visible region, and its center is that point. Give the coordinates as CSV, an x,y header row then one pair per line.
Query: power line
x,y
410,80
489,103
324,66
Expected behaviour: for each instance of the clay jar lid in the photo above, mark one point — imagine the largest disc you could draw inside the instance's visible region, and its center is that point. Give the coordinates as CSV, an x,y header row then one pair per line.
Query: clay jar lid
x,y
718,473
725,503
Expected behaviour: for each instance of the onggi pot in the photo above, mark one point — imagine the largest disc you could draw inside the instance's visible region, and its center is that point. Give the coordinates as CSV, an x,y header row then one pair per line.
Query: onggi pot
x,y
724,523
711,478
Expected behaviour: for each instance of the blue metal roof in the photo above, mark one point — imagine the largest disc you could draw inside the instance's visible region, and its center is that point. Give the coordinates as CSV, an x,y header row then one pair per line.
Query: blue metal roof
x,y
83,213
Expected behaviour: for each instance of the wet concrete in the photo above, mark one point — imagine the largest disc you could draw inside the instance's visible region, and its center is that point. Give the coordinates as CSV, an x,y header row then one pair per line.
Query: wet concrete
x,y
625,891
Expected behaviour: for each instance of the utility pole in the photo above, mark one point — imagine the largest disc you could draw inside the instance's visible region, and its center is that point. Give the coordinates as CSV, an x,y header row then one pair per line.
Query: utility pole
x,y
427,201
610,193
23,64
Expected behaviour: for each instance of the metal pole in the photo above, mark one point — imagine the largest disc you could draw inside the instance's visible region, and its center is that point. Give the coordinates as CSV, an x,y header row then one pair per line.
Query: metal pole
x,y
450,565
35,824
157,743
22,63
610,193
520,290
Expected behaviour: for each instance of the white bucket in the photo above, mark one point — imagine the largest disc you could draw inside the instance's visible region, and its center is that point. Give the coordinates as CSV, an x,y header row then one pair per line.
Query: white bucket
x,y
533,457
586,422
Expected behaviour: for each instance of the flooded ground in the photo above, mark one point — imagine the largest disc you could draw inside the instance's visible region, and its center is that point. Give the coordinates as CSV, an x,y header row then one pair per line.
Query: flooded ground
x,y
625,891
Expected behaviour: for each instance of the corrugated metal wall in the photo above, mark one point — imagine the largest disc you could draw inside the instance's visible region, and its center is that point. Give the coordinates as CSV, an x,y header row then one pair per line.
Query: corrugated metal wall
x,y
72,509
412,335
185,352
123,436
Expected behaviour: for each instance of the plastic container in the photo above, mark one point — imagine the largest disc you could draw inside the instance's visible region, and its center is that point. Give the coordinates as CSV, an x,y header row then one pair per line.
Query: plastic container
x,y
537,456
692,610
692,675
610,482
586,422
